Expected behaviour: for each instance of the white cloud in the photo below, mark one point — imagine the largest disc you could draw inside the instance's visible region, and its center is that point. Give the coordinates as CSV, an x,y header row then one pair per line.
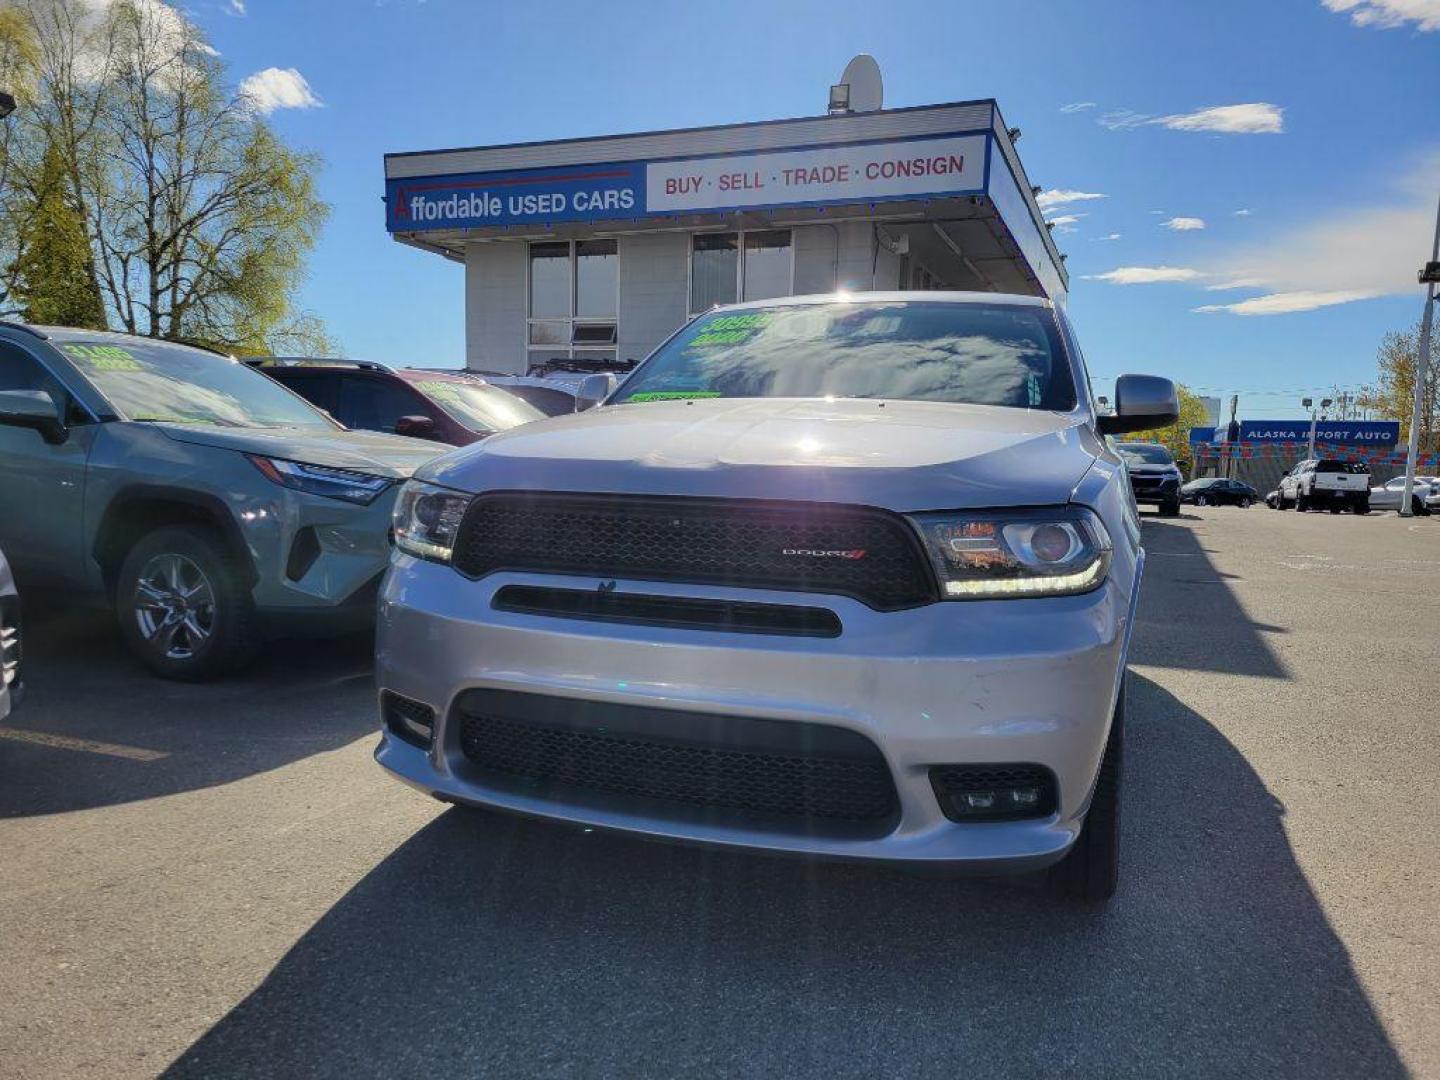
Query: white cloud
x,y
1342,256
164,29
1063,223
1145,275
237,8
1244,213
1287,303
278,88
1107,236
1077,106
1184,224
1254,118
1048,200
1389,14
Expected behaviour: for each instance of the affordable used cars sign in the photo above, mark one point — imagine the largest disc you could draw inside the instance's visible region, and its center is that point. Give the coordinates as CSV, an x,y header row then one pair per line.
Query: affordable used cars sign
x,y
857,172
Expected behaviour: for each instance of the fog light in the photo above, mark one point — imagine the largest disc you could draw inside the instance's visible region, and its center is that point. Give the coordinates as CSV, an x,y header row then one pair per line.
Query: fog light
x,y
994,792
411,721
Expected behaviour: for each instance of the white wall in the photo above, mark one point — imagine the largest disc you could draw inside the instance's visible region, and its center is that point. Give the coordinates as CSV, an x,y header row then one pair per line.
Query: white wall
x,y
653,283
495,306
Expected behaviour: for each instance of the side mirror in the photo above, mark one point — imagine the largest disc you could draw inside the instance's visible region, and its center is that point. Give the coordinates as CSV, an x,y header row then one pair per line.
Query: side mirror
x,y
1141,402
593,390
34,409
417,427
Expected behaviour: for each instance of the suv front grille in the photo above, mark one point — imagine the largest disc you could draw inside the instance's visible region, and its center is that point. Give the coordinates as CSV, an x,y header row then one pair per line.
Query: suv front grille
x,y
679,762
871,555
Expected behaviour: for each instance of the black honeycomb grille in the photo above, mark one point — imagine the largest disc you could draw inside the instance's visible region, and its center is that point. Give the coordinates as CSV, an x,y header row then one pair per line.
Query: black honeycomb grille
x,y
851,786
871,555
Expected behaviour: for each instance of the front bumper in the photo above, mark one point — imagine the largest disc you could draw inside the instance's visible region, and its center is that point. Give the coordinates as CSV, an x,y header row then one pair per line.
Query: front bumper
x,y
980,682
318,560
1149,489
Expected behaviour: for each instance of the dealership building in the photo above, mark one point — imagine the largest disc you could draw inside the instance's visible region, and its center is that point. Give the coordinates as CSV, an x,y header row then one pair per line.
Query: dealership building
x,y
600,248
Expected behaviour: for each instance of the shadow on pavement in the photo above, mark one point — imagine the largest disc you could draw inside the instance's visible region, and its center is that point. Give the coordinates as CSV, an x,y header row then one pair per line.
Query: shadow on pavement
x,y
156,737
497,946
1190,617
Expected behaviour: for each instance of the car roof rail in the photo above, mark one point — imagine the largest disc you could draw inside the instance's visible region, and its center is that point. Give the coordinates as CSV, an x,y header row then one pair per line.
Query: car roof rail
x,y
24,328
324,362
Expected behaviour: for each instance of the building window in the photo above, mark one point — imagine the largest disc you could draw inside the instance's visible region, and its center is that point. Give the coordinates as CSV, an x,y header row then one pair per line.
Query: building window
x,y
766,272
574,299
719,275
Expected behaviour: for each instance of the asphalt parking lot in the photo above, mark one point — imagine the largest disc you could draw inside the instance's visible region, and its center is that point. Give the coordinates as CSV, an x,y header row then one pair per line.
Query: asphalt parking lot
x,y
218,881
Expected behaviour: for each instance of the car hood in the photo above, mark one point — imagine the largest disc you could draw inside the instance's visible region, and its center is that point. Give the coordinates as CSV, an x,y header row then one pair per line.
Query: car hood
x,y
900,455
362,451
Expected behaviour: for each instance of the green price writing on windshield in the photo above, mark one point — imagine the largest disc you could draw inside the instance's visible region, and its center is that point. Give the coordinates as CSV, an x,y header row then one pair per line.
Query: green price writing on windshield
x,y
442,391
104,357
671,395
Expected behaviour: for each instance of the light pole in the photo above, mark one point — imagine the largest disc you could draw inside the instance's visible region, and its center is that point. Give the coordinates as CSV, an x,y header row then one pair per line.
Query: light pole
x,y
1309,403
1429,275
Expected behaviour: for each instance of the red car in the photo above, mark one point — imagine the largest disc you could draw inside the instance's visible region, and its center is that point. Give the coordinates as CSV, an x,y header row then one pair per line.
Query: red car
x,y
446,406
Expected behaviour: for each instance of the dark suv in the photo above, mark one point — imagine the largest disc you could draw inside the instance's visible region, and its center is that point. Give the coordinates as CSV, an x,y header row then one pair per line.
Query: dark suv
x,y
447,406
1154,476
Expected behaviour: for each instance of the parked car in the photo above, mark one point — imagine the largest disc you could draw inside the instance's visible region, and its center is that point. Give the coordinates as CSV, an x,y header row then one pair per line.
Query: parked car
x,y
204,501
1387,496
1327,483
1154,476
11,687
559,394
448,406
841,576
1432,501
1218,491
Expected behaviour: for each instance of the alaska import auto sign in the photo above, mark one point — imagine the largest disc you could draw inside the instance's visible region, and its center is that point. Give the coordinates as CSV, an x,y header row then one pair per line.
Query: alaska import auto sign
x,y
1349,432
942,166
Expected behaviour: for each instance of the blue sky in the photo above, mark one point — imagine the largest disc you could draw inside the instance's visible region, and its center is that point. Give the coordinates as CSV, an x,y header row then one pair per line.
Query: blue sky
x,y
1340,198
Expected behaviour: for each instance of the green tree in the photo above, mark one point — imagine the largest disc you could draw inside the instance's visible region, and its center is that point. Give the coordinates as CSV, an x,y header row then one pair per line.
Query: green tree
x,y
1393,396
54,272
1176,437
198,217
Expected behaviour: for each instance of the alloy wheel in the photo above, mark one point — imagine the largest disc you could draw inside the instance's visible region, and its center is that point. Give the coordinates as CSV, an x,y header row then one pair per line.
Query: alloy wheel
x,y
174,606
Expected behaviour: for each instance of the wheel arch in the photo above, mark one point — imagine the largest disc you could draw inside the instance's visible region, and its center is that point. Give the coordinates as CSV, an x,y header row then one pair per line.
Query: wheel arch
x,y
142,508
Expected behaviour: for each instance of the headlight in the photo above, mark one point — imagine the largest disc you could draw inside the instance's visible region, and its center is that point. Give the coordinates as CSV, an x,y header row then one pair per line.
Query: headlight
x,y
427,518
342,484
986,555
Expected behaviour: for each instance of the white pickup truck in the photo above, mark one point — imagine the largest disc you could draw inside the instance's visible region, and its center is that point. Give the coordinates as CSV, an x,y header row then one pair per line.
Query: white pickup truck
x,y
1326,482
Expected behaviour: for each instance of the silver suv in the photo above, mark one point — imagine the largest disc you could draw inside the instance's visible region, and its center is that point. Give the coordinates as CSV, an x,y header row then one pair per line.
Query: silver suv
x,y
206,502
847,576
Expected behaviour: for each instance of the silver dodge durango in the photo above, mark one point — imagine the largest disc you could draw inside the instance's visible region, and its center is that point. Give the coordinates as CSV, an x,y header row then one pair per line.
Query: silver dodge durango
x,y
848,576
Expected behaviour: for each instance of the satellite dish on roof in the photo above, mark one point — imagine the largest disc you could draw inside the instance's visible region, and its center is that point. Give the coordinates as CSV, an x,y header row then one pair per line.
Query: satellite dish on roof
x,y
860,88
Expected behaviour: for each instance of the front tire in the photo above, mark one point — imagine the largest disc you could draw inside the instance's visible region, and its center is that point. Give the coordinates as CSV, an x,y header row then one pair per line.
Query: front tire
x,y
1090,871
1245,502
1202,500
1302,504
183,605
1170,509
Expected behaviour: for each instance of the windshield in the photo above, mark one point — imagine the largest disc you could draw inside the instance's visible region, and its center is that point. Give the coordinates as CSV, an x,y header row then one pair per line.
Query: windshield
x,y
479,407
980,354
1145,454
1330,465
177,384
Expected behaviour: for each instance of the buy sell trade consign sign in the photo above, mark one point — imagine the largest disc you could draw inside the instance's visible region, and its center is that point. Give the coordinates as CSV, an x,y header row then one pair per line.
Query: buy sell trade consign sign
x,y
938,167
